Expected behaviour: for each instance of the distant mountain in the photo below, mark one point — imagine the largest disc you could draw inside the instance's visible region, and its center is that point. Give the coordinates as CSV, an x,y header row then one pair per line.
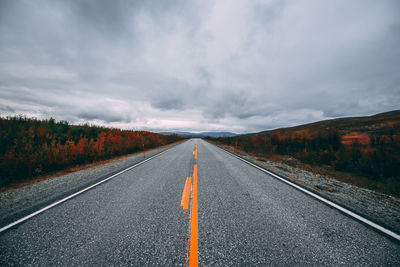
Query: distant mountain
x,y
368,124
200,135
218,134
184,134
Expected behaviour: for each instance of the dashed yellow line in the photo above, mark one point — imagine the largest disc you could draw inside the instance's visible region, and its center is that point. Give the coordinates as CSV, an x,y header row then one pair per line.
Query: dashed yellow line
x,y
186,194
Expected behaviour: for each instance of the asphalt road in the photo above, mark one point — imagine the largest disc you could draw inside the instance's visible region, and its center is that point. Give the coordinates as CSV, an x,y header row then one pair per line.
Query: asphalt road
x,y
245,217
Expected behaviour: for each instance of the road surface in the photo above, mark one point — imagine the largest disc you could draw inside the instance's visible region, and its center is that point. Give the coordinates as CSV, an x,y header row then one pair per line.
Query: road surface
x,y
245,217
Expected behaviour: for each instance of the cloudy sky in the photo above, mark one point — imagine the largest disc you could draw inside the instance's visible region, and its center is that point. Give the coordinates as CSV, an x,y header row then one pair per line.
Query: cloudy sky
x,y
238,66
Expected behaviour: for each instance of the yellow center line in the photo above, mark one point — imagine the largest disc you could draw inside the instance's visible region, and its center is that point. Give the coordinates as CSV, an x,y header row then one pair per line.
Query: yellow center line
x,y
194,245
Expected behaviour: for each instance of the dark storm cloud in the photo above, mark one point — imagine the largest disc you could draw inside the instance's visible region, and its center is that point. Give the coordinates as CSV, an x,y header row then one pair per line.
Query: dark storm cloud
x,y
168,104
228,103
103,115
7,108
199,65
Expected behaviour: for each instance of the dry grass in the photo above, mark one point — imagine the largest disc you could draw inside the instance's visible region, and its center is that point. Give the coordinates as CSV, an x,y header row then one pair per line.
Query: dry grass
x,y
330,172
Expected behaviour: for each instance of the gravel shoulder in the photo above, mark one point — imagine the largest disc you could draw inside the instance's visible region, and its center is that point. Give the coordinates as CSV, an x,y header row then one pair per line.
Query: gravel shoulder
x,y
16,202
378,207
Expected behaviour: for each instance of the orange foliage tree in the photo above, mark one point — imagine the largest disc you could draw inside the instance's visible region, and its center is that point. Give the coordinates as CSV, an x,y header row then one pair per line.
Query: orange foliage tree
x,y
31,147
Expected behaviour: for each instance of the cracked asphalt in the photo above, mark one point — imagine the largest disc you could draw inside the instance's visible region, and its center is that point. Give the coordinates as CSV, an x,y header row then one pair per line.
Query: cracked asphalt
x,y
246,218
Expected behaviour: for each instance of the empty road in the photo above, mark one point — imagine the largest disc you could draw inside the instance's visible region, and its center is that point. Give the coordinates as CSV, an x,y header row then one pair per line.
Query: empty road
x,y
245,217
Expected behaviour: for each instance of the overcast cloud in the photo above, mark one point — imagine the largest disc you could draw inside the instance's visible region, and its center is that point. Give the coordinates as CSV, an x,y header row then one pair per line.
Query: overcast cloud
x,y
199,65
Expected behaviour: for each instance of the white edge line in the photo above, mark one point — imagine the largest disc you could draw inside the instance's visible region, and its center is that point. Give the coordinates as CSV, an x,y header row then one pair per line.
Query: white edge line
x,y
330,203
77,193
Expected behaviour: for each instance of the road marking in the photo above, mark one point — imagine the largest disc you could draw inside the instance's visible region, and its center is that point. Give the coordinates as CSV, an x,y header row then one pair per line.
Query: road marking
x,y
195,152
187,197
326,201
192,249
186,193
194,245
77,193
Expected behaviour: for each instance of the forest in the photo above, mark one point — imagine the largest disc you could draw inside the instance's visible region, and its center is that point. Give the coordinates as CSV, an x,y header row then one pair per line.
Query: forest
x,y
30,147
372,152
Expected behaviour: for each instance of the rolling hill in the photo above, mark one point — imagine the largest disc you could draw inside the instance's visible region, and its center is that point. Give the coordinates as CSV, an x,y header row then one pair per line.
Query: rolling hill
x,y
375,124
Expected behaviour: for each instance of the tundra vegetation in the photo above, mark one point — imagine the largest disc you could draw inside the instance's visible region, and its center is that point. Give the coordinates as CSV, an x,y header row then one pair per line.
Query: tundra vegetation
x,y
30,147
366,148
